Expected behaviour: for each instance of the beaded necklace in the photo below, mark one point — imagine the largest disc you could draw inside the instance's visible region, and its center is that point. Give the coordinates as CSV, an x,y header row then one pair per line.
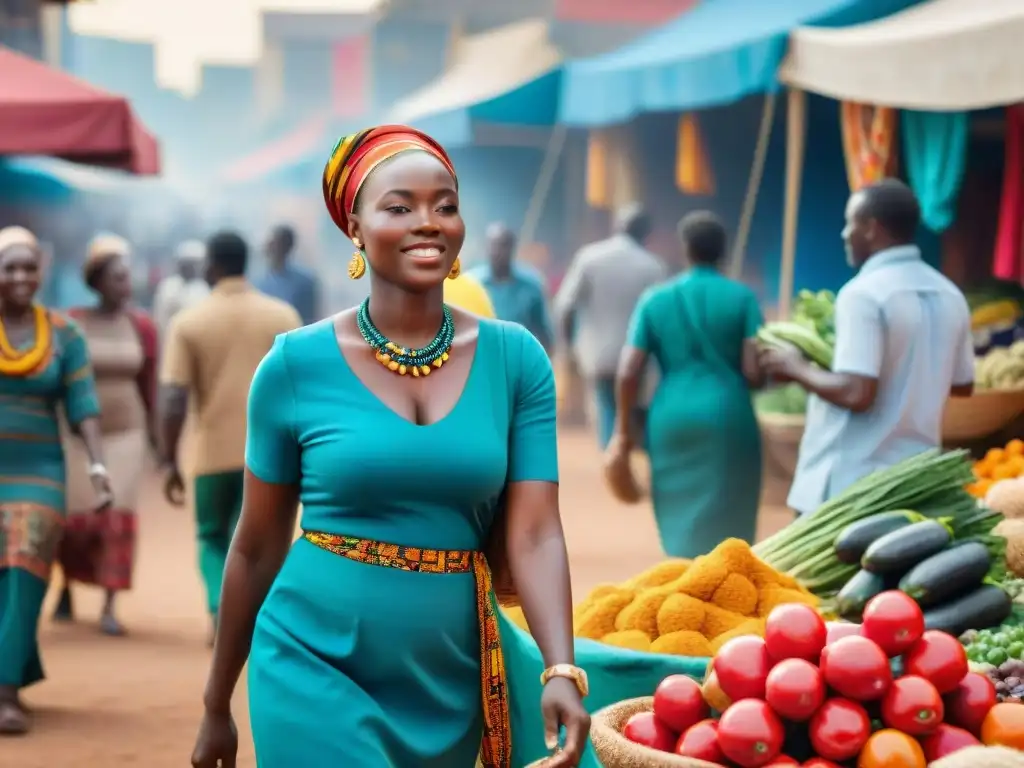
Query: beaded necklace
x,y
402,361
16,363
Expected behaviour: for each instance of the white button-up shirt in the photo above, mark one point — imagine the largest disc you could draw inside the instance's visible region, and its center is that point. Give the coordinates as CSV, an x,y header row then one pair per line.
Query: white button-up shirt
x,y
903,323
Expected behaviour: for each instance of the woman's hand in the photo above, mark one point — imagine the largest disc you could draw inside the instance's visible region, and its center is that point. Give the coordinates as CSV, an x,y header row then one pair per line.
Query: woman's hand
x,y
562,706
174,486
102,487
217,743
618,472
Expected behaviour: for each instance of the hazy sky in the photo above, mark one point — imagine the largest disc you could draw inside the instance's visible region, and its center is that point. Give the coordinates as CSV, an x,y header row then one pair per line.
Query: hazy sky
x,y
189,33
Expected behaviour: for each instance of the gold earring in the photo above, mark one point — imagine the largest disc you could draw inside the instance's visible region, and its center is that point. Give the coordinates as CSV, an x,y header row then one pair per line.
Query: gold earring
x,y
357,265
455,270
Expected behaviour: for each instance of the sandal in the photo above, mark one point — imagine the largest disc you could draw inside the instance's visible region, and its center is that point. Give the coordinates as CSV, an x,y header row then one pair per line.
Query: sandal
x,y
14,721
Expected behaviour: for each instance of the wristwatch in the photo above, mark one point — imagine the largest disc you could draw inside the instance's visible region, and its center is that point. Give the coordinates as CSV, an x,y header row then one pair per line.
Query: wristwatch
x,y
570,672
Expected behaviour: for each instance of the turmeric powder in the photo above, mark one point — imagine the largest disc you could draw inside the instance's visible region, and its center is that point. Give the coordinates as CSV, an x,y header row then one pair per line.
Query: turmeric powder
x,y
736,593
683,643
774,596
748,627
632,639
599,620
680,612
703,577
659,575
718,620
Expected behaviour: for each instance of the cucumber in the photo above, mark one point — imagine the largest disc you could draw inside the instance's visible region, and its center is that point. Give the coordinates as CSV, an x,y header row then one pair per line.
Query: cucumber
x,y
903,549
987,606
856,592
853,541
947,574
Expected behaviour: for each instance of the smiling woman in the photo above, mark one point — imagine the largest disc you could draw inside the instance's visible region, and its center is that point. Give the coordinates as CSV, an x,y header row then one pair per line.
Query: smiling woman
x,y
375,639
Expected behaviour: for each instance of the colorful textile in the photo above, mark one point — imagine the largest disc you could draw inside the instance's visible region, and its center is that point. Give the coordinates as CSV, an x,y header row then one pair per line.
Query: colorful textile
x,y
496,748
218,503
354,157
99,548
1008,263
869,142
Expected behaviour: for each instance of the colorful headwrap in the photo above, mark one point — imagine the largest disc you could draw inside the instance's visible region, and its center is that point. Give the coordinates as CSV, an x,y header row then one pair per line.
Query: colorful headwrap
x,y
354,158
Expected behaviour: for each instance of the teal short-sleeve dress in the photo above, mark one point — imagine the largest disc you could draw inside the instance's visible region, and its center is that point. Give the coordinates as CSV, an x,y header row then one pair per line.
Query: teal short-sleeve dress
x,y
703,439
353,664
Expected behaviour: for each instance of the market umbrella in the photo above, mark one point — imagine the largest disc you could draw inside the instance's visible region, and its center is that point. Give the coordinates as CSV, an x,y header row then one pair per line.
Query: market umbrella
x,y
47,112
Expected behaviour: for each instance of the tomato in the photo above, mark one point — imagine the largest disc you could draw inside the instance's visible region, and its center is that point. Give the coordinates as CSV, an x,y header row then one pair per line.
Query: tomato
x,y
937,657
894,621
891,749
856,668
795,689
750,734
837,630
819,762
839,729
968,705
1004,726
701,743
913,706
794,631
741,666
644,728
946,740
678,702
782,761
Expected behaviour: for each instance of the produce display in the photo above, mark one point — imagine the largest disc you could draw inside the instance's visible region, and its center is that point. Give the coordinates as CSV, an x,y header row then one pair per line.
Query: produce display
x,y
998,464
689,608
887,693
927,487
1000,368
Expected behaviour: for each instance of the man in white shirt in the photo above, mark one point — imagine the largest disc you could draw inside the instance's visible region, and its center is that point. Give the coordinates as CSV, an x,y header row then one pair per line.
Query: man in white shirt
x,y
596,301
184,288
903,346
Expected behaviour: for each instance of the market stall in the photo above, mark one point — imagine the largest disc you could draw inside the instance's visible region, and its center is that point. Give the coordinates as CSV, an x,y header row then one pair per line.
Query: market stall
x,y
46,112
883,629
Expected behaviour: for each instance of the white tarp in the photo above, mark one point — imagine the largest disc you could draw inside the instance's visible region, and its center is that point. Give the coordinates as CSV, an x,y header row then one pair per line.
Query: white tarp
x,y
483,67
941,55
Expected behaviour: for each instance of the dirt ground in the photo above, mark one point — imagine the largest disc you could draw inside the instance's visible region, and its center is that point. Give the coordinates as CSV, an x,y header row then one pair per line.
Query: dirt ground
x,y
136,701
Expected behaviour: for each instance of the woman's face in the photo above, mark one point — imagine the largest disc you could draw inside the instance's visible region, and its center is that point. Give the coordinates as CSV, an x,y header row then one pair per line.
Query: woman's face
x,y
408,221
115,282
20,267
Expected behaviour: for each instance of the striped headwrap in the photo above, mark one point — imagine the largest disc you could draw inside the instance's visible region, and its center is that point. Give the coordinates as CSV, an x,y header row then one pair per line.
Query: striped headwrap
x,y
354,157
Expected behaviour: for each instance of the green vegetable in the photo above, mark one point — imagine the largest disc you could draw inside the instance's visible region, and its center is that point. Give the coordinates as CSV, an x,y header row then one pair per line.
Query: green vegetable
x,y
944,575
788,399
856,538
986,606
898,551
856,592
800,336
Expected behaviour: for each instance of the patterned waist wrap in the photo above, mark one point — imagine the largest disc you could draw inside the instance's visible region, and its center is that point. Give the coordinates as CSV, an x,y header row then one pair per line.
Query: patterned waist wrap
x,y
496,747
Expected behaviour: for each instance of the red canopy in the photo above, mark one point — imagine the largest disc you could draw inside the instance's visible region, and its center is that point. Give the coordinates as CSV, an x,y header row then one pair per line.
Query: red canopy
x,y
46,112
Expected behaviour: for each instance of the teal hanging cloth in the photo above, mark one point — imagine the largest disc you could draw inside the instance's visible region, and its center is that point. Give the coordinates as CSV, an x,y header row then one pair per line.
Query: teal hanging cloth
x,y
935,154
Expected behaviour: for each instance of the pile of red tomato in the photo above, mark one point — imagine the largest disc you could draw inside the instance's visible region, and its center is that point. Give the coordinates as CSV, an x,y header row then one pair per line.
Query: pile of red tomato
x,y
828,695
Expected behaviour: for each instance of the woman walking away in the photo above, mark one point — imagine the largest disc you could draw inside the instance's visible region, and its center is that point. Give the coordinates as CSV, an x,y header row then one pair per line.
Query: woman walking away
x,y
411,432
99,549
44,363
702,435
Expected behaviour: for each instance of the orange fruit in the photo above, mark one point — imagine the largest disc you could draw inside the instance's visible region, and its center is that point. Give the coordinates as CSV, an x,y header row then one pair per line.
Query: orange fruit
x,y
1005,471
983,468
1015,447
1004,726
891,749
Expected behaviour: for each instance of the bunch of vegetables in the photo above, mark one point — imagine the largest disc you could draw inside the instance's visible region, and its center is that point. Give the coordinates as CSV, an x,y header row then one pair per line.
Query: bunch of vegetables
x,y
998,654
956,582
789,399
1001,368
931,483
884,693
688,608
1004,463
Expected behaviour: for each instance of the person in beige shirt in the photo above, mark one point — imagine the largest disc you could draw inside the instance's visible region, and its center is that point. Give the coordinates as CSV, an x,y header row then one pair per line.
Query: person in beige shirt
x,y
210,355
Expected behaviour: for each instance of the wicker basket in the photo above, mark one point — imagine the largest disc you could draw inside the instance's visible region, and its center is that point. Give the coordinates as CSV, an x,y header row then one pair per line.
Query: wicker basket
x,y
614,751
982,757
982,414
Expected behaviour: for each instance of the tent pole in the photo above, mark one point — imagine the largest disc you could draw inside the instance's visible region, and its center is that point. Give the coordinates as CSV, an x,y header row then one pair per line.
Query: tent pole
x,y
739,250
796,135
552,157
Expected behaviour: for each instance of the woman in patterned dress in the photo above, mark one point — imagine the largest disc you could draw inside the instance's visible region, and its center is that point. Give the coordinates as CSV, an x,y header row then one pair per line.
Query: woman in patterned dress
x,y
100,549
44,365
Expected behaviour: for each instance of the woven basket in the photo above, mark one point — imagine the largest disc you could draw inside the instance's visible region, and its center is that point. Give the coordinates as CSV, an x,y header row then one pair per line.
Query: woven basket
x,y
982,414
982,757
614,751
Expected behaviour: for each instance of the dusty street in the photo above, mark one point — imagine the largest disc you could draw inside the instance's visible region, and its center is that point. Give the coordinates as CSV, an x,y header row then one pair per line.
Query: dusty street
x,y
136,701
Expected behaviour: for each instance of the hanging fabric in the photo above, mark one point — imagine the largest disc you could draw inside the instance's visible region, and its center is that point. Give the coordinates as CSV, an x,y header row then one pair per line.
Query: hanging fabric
x,y
693,166
1008,261
935,154
598,192
869,143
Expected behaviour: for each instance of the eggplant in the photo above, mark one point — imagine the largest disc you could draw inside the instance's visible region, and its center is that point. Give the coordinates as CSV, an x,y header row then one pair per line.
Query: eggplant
x,y
947,574
853,541
902,549
987,606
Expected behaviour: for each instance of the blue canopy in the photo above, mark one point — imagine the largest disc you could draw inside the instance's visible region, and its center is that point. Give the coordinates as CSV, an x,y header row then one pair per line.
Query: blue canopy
x,y
715,54
46,180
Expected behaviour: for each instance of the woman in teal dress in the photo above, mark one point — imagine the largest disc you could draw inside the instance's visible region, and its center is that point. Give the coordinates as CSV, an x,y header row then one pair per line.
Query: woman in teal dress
x,y
702,435
44,365
373,640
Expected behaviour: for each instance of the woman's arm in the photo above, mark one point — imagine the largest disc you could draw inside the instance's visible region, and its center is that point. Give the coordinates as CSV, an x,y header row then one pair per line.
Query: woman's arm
x,y
260,544
632,364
